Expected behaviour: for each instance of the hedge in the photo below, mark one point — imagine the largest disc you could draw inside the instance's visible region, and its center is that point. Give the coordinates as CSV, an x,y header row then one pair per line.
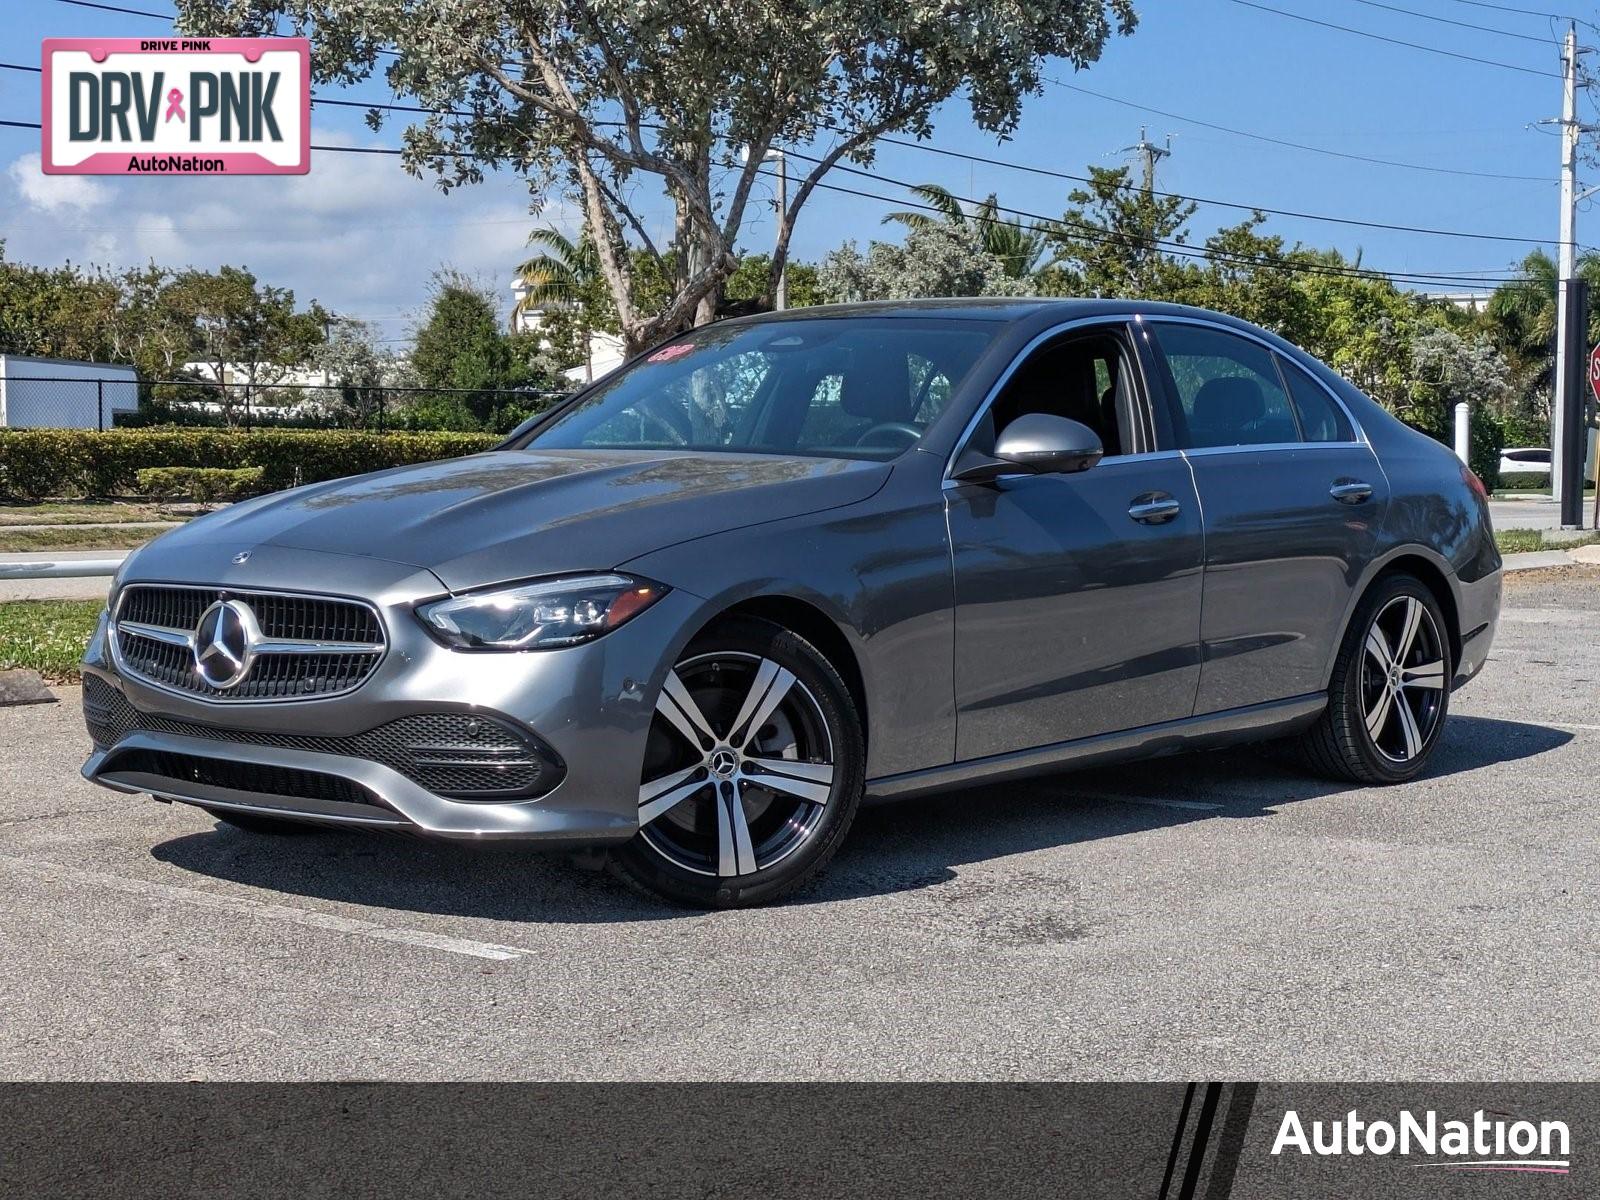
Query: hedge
x,y
39,463
203,484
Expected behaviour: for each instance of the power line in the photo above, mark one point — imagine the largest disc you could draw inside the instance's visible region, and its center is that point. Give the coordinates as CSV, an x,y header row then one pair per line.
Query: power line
x,y
132,12
1206,200
1054,82
1089,233
1411,12
1026,168
1488,62
1275,141
1178,249
1522,12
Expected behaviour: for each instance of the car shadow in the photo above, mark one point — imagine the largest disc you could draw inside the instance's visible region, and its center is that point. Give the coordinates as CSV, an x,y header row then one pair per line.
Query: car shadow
x,y
892,847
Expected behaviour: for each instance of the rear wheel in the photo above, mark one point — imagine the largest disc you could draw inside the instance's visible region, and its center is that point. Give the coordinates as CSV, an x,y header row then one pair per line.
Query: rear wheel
x,y
753,770
1390,690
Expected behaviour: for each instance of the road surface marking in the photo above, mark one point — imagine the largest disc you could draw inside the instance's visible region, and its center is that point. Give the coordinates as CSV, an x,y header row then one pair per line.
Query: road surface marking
x,y
266,910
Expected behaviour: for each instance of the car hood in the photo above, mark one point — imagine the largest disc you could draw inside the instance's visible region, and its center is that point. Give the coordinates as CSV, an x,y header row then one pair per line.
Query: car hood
x,y
513,514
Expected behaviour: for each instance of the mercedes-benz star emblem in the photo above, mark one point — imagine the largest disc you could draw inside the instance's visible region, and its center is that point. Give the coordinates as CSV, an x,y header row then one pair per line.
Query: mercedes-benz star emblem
x,y
241,558
224,643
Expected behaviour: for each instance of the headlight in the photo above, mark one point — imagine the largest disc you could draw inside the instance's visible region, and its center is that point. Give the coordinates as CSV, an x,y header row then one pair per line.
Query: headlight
x,y
541,615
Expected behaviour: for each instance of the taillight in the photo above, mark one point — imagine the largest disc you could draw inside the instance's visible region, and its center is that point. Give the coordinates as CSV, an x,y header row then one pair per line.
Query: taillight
x,y
1470,478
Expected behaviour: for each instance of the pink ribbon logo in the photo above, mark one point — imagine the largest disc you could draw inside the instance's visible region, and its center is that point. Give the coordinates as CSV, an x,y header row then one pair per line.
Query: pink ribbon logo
x,y
174,106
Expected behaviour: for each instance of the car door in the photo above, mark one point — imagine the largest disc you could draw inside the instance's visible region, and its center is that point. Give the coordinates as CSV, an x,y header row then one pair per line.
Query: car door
x,y
1077,597
1293,500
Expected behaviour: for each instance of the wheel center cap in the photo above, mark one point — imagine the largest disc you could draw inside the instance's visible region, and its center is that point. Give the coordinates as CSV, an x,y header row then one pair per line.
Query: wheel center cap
x,y
723,763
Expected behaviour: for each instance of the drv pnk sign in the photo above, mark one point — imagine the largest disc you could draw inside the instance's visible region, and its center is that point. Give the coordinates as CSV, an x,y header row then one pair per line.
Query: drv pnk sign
x,y
177,106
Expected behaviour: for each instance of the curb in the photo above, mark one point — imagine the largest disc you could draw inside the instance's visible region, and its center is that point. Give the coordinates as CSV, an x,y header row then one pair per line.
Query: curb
x,y
1546,560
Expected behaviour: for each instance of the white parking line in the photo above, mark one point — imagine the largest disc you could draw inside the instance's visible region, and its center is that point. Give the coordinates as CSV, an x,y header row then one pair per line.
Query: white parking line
x,y
268,911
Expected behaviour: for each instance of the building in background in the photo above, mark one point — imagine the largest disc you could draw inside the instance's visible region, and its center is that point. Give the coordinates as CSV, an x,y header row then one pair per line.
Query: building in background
x,y
1472,302
605,349
61,393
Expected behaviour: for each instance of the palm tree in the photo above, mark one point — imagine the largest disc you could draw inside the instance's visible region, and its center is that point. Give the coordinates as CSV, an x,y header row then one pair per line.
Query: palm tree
x,y
1017,246
1522,318
567,275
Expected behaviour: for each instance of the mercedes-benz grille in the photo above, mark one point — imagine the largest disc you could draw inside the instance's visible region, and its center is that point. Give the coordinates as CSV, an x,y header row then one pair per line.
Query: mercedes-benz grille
x,y
299,647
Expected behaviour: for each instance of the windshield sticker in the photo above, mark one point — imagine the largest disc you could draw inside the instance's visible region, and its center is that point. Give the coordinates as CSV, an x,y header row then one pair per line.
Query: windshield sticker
x,y
668,353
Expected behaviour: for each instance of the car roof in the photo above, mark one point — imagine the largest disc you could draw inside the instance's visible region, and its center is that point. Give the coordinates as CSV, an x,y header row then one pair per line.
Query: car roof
x,y
1000,309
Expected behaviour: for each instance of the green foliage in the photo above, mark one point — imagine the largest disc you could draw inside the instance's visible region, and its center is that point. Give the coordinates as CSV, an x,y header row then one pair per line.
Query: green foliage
x,y
461,346
39,463
47,636
200,484
539,89
1110,240
749,282
1521,481
157,319
1018,247
940,259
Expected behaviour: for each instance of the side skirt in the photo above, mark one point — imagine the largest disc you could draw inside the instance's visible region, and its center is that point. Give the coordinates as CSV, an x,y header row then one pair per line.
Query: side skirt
x,y
1253,723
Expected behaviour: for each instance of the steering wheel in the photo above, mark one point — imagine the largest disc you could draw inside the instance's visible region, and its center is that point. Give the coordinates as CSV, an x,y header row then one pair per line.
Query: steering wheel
x,y
898,428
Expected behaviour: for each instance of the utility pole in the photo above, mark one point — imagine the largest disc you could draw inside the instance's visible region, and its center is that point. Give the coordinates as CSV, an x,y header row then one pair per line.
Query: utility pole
x,y
781,299
1571,324
1152,154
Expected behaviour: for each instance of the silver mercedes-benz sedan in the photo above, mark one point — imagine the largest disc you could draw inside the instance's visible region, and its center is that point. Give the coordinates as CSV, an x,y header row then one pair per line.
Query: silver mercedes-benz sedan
x,y
696,613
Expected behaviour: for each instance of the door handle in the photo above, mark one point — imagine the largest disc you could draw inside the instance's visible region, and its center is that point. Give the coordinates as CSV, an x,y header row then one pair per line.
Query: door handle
x,y
1154,508
1351,491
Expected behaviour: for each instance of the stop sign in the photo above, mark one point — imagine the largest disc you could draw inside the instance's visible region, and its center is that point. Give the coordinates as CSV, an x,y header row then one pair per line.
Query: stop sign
x,y
1594,372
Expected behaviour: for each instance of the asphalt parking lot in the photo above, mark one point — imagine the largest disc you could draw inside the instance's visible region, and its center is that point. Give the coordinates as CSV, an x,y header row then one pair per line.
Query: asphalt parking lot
x,y
1213,915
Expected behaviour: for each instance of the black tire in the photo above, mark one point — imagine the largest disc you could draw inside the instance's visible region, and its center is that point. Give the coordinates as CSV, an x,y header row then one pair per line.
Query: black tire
x,y
1341,745
256,823
682,853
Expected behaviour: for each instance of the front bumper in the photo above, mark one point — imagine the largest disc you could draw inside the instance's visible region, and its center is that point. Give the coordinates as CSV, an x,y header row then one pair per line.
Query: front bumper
x,y
587,707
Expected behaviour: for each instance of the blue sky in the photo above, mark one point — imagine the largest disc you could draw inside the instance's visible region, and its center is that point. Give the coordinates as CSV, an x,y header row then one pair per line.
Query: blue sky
x,y
363,238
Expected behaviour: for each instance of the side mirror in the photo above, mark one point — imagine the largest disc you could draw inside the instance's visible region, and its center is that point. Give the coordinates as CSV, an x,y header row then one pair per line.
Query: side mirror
x,y
1034,444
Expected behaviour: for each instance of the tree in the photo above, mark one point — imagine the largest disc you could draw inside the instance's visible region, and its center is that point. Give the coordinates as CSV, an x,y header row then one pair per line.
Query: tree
x,y
242,329
1114,240
597,96
568,276
1018,247
460,346
937,259
363,370
747,286
1521,319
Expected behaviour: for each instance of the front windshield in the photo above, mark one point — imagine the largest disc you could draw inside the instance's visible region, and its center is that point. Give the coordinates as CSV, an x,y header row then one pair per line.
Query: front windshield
x,y
849,388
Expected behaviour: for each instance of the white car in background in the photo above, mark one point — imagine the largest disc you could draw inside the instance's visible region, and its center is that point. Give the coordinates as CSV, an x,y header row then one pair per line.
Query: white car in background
x,y
1525,460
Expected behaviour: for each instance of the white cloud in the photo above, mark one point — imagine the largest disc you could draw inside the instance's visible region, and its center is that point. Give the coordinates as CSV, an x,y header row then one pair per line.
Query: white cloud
x,y
357,233
54,193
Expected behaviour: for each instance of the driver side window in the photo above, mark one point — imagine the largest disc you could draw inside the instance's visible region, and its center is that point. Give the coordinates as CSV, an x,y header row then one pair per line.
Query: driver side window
x,y
1087,377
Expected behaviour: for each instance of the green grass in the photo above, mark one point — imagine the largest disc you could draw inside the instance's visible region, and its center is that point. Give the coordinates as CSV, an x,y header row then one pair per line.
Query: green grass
x,y
1523,541
47,636
23,540
87,512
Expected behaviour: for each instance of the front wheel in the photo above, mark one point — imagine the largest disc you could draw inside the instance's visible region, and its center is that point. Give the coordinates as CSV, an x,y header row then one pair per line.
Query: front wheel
x,y
1390,689
753,770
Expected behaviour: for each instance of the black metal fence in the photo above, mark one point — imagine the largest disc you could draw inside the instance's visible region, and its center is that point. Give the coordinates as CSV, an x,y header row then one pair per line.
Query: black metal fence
x,y
88,402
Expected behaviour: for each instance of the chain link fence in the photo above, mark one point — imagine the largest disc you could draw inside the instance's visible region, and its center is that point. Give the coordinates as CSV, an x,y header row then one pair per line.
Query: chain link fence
x,y
56,402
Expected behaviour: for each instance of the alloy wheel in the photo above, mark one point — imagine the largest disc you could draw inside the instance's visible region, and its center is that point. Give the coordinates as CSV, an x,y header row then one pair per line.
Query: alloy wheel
x,y
1402,679
739,768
